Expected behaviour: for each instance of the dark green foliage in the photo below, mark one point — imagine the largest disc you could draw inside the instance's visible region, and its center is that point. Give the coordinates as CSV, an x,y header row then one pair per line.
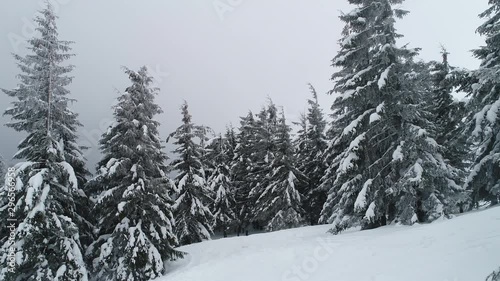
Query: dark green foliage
x,y
135,223
221,183
310,145
483,125
242,167
385,165
193,217
279,203
48,203
447,113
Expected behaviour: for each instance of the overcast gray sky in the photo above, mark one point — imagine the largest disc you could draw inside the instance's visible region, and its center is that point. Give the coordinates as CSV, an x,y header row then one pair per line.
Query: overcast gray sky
x,y
223,56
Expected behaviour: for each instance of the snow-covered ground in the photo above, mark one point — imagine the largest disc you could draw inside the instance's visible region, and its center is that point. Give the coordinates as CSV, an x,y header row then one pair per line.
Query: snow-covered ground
x,y
466,248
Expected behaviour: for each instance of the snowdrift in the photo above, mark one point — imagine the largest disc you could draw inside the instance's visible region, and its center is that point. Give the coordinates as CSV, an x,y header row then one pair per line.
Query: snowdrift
x,y
465,248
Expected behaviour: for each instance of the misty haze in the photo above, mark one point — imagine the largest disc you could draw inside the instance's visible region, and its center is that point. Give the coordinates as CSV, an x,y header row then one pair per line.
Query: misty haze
x,y
204,140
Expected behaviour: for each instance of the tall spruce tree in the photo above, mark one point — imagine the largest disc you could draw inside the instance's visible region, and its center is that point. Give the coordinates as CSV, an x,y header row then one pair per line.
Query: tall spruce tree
x,y
431,183
43,71
389,168
242,165
448,114
331,160
133,208
206,136
312,144
231,143
484,122
46,231
221,183
193,196
266,127
300,141
443,105
279,204
48,202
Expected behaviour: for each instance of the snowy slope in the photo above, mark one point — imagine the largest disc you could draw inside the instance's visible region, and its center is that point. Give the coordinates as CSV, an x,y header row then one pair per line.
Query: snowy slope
x,y
466,248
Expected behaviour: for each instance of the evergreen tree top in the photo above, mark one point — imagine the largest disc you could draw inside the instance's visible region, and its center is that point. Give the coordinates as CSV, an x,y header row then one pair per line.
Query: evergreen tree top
x,y
41,105
315,118
368,53
189,150
491,30
133,206
133,138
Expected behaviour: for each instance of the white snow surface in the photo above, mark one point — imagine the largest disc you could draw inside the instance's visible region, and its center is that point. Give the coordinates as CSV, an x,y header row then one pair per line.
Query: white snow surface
x,y
492,114
351,127
465,248
397,155
71,172
361,199
383,77
374,117
370,213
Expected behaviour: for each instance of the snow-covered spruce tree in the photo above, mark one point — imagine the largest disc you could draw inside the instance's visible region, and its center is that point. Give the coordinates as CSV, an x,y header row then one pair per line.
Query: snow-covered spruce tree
x,y
331,160
43,71
132,206
46,235
279,205
300,141
426,185
266,127
221,183
206,136
389,168
231,143
312,144
448,115
193,196
242,165
44,77
48,201
484,121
